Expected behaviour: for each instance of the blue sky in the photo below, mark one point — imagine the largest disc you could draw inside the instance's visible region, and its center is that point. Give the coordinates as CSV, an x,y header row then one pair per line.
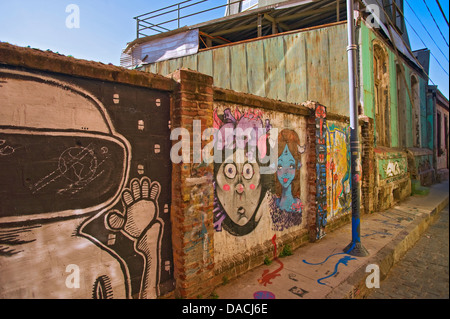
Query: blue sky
x,y
106,26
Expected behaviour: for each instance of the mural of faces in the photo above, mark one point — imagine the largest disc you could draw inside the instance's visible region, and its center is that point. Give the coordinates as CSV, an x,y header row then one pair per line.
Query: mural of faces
x,y
239,189
239,185
286,206
286,168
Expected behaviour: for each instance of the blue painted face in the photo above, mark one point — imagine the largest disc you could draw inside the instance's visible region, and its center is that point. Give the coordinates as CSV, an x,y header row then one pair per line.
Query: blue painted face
x,y
286,168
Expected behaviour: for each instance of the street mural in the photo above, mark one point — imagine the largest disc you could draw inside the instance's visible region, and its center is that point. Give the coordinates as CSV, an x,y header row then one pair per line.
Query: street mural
x,y
239,185
338,169
80,192
286,208
321,170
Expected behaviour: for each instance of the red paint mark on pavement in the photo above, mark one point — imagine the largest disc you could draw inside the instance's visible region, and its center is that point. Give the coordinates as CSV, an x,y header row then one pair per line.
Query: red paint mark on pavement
x,y
267,276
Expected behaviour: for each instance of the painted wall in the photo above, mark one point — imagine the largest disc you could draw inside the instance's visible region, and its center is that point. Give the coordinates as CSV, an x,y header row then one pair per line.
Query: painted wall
x,y
392,179
338,169
251,207
254,201
84,188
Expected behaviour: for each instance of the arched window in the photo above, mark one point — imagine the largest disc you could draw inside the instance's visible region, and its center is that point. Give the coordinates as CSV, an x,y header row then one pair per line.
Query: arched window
x,y
402,128
381,94
415,91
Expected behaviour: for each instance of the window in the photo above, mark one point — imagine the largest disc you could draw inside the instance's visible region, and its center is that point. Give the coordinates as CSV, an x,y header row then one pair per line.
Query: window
x,y
446,131
403,128
381,95
415,110
439,133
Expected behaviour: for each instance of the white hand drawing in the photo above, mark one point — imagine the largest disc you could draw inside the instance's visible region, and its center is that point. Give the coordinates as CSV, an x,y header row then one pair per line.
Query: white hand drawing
x,y
140,223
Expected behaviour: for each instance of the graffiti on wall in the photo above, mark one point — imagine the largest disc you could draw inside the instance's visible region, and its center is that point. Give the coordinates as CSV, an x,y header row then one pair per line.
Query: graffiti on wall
x,y
286,208
338,169
239,185
139,222
392,169
76,189
321,170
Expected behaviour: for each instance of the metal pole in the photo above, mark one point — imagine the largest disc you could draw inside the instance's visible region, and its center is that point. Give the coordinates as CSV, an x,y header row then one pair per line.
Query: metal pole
x,y
178,16
137,28
355,248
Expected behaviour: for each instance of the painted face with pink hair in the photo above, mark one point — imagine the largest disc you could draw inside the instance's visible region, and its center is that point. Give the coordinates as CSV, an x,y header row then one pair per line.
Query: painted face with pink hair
x,y
241,139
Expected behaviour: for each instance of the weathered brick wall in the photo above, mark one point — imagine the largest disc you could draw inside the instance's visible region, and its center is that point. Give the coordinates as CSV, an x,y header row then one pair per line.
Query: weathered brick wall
x,y
192,192
368,165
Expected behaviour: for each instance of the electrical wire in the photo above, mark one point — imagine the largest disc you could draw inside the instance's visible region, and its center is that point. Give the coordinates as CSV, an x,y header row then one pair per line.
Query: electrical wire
x,y
425,30
442,11
431,14
418,63
426,46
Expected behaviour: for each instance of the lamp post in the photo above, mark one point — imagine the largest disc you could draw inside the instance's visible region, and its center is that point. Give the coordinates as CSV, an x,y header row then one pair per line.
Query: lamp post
x,y
355,248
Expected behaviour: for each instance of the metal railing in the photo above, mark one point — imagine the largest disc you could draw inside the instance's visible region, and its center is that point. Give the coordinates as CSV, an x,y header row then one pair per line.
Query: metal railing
x,y
170,17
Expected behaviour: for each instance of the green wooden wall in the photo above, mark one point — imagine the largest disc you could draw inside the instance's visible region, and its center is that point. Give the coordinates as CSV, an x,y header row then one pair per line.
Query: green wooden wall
x,y
366,40
295,67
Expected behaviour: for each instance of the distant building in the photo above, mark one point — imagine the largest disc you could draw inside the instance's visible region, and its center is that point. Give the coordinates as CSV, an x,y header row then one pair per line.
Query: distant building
x,y
441,160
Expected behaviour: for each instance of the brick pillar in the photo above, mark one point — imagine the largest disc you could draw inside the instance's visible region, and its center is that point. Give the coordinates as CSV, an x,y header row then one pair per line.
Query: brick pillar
x,y
368,166
192,189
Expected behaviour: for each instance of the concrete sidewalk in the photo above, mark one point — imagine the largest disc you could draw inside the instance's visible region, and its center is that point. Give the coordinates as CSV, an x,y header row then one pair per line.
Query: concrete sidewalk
x,y
321,270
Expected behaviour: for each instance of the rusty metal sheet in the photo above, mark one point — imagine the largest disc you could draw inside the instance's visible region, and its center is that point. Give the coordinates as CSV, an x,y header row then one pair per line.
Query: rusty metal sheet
x,y
318,66
296,75
174,65
164,68
221,58
275,68
190,62
255,68
205,63
238,72
338,70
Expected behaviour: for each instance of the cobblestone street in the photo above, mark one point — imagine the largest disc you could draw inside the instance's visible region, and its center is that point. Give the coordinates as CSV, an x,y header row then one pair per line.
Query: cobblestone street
x,y
423,273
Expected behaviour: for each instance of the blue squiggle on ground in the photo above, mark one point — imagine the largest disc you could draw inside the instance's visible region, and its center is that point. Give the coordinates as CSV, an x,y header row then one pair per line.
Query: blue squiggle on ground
x,y
315,264
343,261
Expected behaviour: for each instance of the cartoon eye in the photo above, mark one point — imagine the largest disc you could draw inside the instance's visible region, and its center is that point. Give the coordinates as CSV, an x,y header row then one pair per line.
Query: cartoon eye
x,y
230,170
247,171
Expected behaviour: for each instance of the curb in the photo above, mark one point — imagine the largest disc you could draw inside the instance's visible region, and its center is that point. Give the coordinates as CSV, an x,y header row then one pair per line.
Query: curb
x,y
355,285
